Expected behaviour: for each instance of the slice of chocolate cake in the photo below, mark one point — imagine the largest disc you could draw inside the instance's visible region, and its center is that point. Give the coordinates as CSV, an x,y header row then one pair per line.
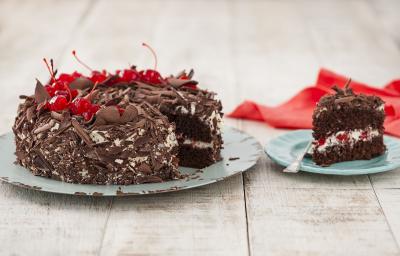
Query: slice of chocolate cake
x,y
347,126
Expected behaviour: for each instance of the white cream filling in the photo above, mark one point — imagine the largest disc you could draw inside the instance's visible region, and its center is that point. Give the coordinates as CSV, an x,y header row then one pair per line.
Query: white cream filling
x,y
198,144
353,136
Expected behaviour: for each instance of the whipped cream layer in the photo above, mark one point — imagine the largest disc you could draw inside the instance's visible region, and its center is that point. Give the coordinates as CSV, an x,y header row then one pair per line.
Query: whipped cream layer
x,y
345,138
198,144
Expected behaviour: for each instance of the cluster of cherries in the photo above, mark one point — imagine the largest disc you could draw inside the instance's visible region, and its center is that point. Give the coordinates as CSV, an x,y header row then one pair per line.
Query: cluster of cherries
x,y
62,97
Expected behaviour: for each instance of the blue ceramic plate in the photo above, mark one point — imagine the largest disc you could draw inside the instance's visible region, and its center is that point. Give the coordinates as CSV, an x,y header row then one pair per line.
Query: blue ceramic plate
x,y
284,149
240,152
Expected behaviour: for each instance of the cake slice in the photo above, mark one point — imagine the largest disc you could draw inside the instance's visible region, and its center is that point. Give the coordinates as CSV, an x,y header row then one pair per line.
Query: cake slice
x,y
347,126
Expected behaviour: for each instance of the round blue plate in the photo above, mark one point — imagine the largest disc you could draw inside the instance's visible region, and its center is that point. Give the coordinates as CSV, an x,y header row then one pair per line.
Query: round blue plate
x,y
284,149
240,152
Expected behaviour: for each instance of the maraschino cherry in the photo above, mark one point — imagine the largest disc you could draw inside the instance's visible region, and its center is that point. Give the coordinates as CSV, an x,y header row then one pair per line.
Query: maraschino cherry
x,y
57,90
151,75
83,106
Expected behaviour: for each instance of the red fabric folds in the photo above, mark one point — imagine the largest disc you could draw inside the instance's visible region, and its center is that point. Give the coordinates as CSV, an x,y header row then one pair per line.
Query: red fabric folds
x,y
297,112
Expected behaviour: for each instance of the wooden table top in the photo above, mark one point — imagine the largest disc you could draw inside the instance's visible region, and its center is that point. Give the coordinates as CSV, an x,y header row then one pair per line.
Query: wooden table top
x,y
260,50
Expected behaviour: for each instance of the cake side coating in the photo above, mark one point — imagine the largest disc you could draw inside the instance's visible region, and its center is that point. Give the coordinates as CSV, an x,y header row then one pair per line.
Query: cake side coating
x,y
65,147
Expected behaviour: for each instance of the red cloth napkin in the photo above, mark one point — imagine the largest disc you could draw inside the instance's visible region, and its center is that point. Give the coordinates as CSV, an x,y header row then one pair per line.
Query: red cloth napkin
x,y
297,112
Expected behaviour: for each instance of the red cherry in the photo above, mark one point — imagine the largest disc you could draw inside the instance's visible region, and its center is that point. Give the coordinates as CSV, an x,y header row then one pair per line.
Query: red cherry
x,y
63,93
342,137
129,75
94,108
150,76
192,86
68,78
50,90
364,135
98,76
58,103
87,116
321,141
74,93
79,106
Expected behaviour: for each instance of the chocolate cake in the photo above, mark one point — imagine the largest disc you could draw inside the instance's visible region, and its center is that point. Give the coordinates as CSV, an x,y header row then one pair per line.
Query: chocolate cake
x,y
347,126
128,127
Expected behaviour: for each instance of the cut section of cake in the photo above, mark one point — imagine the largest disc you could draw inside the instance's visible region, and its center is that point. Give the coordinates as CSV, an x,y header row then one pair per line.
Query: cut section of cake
x,y
347,126
196,113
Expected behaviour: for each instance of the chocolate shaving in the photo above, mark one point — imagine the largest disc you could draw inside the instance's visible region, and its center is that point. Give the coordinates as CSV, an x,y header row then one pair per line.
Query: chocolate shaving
x,y
191,73
56,115
81,132
144,168
44,127
20,122
177,82
81,83
111,115
149,179
30,113
130,114
345,99
41,95
41,161
107,115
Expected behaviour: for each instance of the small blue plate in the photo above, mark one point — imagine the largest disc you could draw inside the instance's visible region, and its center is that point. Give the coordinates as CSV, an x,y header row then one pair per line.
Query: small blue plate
x,y
284,149
240,152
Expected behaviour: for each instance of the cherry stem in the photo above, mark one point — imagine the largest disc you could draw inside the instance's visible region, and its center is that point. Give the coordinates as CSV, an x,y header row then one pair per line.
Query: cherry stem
x,y
50,69
154,54
81,62
347,83
69,93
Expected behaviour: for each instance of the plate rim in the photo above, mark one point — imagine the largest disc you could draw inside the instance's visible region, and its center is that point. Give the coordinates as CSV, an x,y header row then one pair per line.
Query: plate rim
x,y
121,191
328,170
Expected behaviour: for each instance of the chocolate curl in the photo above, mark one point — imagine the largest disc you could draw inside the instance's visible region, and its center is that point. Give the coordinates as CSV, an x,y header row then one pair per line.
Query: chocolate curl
x,y
111,115
177,82
81,83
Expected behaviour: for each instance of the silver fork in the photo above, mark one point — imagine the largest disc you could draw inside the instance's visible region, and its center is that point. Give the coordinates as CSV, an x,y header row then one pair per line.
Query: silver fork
x,y
295,166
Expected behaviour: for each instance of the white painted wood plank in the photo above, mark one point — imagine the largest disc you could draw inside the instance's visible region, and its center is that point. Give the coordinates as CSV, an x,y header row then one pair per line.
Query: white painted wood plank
x,y
317,222
390,202
204,221
38,223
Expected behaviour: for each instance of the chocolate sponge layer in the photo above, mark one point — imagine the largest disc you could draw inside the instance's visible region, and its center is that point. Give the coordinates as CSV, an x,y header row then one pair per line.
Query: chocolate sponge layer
x,y
362,150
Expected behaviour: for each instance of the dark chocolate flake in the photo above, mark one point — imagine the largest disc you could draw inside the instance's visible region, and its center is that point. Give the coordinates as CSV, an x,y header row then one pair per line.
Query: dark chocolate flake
x,y
176,82
81,83
41,95
81,132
